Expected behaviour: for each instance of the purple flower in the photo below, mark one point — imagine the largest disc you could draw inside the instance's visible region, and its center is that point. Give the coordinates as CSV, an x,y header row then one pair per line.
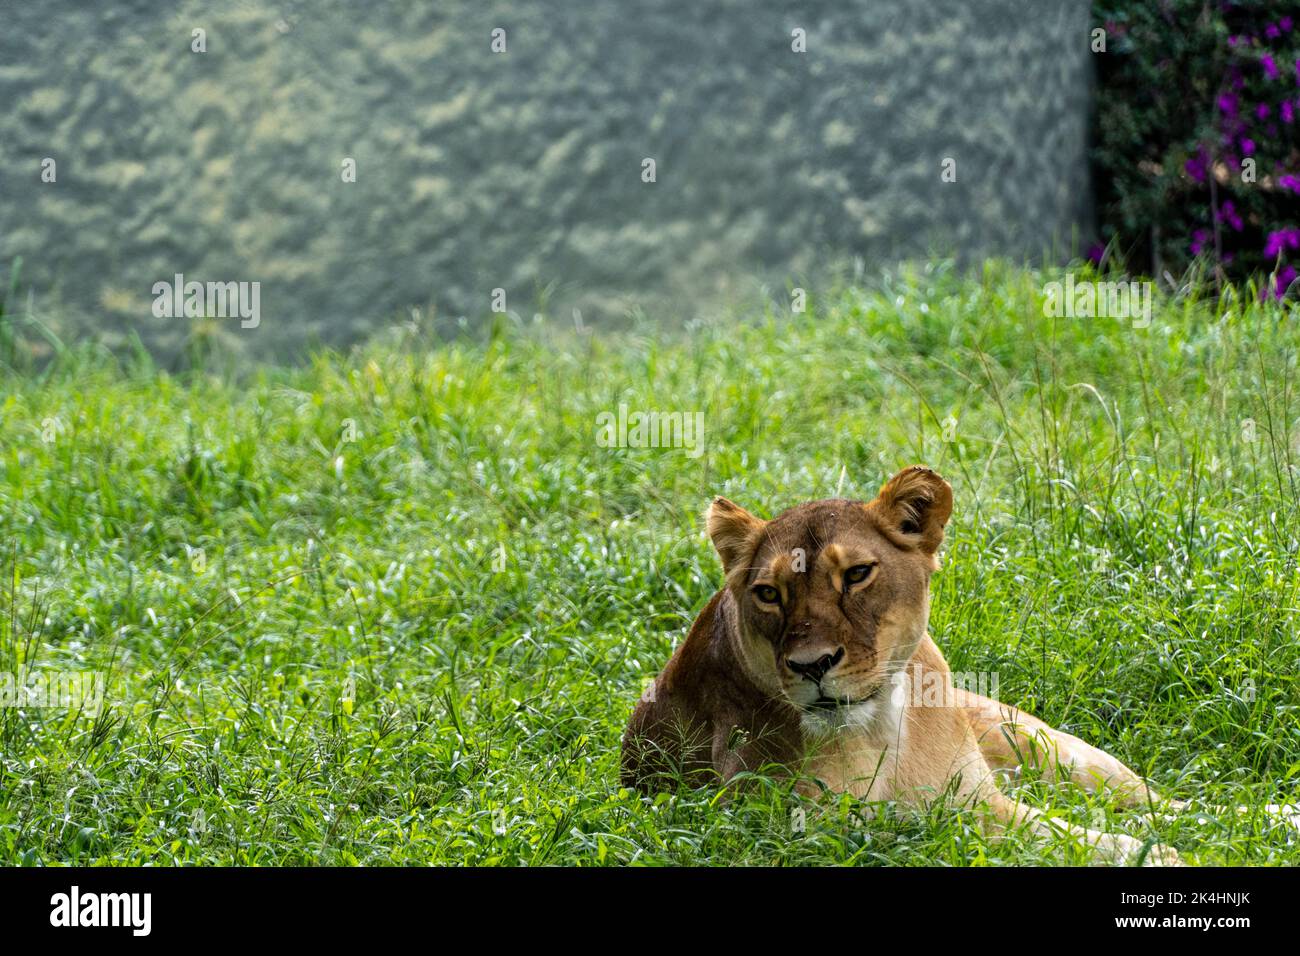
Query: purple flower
x,y
1280,240
1228,213
1199,238
1270,67
1247,146
1277,285
1288,112
1197,164
1272,32
1095,252
1262,111
1285,24
1290,182
1228,101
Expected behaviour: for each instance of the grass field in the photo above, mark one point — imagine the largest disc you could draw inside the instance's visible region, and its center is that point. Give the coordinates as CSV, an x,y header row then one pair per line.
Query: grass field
x,y
394,607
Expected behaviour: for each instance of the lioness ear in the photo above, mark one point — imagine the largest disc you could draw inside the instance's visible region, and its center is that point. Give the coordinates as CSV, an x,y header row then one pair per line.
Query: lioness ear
x,y
734,532
916,503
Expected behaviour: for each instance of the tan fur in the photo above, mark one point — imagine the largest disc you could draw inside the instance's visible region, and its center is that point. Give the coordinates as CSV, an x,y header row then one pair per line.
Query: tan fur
x,y
838,680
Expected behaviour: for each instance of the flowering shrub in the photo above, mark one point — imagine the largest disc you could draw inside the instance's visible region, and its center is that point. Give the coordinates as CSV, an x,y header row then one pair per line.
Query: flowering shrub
x,y
1197,137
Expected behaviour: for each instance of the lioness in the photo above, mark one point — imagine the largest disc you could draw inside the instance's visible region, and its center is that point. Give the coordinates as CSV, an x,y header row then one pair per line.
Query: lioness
x,y
815,656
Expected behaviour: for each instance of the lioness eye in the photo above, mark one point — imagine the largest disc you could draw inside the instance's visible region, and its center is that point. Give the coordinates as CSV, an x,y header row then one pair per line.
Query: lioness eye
x,y
767,594
858,573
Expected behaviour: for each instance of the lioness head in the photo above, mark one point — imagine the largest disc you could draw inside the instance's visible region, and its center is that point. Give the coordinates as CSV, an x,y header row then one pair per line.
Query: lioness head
x,y
834,595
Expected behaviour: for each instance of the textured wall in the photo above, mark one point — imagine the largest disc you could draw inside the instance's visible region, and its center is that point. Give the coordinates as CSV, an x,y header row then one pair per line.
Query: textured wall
x,y
522,170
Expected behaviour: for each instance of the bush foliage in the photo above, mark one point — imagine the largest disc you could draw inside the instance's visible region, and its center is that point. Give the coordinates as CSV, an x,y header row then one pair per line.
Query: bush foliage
x,y
1197,137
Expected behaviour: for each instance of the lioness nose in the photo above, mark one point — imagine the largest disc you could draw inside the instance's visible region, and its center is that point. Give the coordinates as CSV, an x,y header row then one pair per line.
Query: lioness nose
x,y
815,669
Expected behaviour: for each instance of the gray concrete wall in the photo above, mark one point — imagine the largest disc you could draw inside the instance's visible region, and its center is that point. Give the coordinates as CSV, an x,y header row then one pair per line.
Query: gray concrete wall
x,y
521,170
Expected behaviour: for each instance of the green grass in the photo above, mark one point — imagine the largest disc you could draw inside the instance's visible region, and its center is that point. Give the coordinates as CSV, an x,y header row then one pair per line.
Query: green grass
x,y
347,678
